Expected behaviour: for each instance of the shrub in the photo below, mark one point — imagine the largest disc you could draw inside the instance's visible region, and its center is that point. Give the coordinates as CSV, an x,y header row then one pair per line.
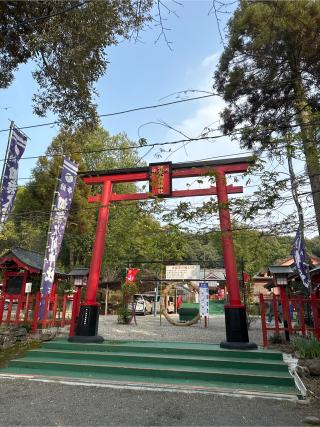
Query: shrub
x,y
276,339
127,291
307,347
123,315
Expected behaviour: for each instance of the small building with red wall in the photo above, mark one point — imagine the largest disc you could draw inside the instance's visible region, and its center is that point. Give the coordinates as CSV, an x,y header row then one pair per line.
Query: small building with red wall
x,y
19,266
283,273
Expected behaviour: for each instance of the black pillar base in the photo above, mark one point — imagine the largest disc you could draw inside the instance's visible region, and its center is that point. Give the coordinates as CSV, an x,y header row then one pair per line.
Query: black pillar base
x,y
239,345
86,339
87,325
237,330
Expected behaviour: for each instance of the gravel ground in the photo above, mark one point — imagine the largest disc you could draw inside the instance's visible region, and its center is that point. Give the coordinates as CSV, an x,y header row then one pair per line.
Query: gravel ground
x,y
149,328
29,403
26,403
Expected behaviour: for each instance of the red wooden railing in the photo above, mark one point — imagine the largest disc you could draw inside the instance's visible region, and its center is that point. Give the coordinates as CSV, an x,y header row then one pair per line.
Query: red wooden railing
x,y
297,315
21,309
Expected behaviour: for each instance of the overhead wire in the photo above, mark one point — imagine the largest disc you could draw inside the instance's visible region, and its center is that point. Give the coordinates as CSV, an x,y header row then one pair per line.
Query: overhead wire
x,y
131,110
201,138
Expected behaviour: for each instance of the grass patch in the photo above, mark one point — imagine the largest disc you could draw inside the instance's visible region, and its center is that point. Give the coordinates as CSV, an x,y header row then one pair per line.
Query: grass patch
x,y
17,350
276,339
307,347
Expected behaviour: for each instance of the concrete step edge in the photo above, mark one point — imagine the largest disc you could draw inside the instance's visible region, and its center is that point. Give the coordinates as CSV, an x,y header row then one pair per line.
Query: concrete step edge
x,y
268,363
137,348
155,386
36,362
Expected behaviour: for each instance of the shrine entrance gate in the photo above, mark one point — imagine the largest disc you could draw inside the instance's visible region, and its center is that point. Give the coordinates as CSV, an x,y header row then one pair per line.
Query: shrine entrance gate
x,y
160,177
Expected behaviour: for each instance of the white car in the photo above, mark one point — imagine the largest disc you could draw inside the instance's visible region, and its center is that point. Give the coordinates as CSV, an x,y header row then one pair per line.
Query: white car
x,y
167,301
143,306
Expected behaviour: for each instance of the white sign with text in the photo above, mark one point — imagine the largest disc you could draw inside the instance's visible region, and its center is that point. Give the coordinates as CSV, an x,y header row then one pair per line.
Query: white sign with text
x,y
204,298
182,272
28,287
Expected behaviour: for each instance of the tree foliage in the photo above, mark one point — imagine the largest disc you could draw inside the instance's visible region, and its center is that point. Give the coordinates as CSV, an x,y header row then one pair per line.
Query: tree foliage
x,y
269,75
67,41
133,232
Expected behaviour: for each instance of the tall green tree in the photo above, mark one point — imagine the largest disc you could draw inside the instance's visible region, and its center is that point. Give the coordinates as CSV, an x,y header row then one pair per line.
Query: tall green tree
x,y
92,150
67,41
133,232
269,75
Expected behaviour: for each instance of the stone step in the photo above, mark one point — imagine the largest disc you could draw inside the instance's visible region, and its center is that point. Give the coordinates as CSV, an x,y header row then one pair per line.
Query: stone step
x,y
163,359
166,364
150,373
156,347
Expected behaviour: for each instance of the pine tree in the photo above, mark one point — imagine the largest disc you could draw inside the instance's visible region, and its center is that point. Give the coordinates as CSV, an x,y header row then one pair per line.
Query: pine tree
x,y
269,75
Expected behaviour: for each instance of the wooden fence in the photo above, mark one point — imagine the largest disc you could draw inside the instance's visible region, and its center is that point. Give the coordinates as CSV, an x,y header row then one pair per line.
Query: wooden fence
x,y
24,310
289,315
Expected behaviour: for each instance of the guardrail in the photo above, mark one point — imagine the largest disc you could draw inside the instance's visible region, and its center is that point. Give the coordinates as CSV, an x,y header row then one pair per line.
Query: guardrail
x,y
24,309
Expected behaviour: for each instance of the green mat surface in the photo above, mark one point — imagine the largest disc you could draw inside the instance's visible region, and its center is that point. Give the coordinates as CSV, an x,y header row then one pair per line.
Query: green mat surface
x,y
216,308
159,362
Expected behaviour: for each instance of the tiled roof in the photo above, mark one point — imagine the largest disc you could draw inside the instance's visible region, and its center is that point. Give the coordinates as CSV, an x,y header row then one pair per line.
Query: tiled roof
x,y
274,269
79,271
31,258
218,274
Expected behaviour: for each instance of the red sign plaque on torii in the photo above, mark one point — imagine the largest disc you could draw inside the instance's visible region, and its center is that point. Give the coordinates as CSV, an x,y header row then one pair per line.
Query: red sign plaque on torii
x,y
160,177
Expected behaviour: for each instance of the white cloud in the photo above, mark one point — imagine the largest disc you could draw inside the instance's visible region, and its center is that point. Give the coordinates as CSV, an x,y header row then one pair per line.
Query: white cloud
x,y
210,60
201,117
207,115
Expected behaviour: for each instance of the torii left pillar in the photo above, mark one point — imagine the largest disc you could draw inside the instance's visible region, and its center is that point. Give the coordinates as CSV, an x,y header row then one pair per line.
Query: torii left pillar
x,y
87,324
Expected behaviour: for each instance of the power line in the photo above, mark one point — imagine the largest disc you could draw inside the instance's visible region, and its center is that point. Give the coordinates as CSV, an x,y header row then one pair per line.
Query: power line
x,y
131,110
154,144
148,107
129,147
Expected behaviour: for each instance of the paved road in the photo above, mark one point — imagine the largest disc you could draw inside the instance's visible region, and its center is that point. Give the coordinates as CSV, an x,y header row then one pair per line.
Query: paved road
x,y
26,403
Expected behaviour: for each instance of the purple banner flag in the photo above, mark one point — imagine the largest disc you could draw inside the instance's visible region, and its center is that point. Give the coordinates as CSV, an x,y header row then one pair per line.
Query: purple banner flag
x,y
58,221
9,183
299,257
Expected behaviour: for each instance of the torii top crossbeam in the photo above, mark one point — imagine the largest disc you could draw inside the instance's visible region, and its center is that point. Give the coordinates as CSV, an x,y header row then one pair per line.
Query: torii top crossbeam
x,y
169,171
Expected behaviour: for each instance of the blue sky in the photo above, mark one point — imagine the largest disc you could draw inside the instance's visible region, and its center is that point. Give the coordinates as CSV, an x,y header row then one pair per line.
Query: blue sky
x,y
140,74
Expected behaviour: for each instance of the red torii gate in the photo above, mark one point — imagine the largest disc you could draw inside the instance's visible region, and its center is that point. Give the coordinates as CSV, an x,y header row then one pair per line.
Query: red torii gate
x,y
160,177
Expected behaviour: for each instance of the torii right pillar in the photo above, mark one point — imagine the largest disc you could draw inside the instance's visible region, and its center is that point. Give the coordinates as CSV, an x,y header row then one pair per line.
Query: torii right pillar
x,y
235,312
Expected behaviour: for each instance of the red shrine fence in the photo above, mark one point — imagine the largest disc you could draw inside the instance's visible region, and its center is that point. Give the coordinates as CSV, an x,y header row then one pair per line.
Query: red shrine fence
x,y
289,315
24,310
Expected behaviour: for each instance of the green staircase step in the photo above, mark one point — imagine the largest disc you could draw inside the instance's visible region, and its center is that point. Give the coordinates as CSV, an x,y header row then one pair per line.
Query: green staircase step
x,y
136,380
205,376
180,364
153,364
172,360
155,347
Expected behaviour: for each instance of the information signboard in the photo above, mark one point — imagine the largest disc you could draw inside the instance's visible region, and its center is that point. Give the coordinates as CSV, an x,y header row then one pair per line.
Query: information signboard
x,y
204,298
183,272
28,287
